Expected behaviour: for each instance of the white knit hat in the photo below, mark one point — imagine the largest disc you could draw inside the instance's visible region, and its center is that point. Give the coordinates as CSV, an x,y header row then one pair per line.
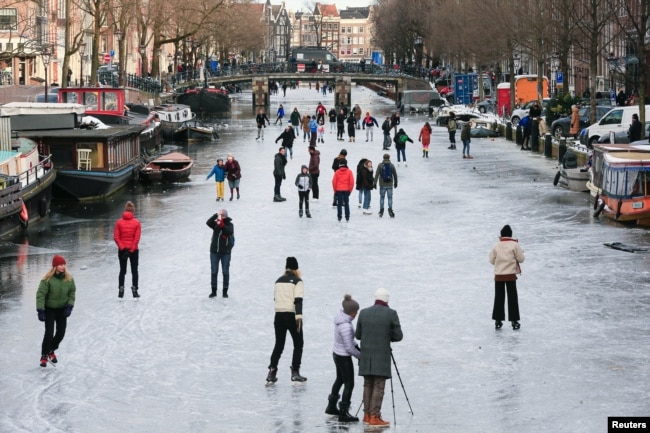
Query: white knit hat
x,y
382,295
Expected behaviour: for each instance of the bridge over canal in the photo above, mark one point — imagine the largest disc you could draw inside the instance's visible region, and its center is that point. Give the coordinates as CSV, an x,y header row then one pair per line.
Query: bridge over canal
x,y
261,83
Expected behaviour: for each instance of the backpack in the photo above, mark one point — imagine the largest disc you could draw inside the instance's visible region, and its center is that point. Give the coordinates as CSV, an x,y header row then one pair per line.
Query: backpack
x,y
386,172
403,138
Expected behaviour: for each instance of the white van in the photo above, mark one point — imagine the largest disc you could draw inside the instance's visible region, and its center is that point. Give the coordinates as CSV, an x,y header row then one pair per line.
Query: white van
x,y
618,119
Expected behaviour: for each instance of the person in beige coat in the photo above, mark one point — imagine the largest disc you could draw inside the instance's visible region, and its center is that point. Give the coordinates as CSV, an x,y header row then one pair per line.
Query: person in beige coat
x,y
506,256
575,121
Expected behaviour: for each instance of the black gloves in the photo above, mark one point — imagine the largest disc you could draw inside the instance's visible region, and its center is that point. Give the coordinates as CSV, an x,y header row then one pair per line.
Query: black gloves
x,y
41,315
68,310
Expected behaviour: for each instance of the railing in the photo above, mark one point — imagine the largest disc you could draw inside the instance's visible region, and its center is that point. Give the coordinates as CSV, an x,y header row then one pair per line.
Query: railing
x,y
154,85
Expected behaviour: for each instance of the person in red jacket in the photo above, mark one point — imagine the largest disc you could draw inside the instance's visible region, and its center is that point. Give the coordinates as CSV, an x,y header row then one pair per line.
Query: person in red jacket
x,y
343,184
127,236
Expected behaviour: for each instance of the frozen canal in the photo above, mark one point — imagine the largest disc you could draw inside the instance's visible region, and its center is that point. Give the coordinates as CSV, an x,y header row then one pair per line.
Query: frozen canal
x,y
176,361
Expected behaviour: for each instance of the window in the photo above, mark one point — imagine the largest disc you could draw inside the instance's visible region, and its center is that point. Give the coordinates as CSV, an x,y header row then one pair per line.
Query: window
x,y
360,50
8,19
360,29
349,40
336,26
349,29
342,29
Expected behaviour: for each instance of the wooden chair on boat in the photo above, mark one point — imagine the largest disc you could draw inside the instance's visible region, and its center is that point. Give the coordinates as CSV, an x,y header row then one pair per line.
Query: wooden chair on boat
x,y
83,159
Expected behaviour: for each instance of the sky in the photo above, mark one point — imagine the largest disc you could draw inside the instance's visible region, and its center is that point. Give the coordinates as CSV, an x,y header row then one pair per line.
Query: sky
x,y
296,5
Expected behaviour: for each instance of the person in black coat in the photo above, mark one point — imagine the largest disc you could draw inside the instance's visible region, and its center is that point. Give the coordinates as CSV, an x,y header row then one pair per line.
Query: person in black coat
x,y
287,138
340,124
366,184
360,167
352,126
220,248
635,129
278,173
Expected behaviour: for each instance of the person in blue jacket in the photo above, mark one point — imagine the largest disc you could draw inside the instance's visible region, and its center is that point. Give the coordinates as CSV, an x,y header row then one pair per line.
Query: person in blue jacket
x,y
219,177
280,115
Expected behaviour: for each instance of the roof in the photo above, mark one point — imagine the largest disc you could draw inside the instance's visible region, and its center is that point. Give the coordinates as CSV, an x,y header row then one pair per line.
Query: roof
x,y
113,131
360,13
34,108
326,10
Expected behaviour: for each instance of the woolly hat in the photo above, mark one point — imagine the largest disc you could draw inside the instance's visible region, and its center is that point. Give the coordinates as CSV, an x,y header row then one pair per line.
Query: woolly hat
x,y
343,162
343,152
129,207
57,260
506,231
382,295
292,264
349,305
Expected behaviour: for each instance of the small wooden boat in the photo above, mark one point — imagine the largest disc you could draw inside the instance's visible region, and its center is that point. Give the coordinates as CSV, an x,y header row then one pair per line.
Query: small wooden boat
x,y
193,131
172,167
574,179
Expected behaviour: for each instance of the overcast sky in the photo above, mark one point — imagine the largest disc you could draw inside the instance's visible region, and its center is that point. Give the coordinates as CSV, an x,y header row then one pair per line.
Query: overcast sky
x,y
295,5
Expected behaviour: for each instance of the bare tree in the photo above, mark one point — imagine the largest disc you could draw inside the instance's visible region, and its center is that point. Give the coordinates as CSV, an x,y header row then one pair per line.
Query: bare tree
x,y
633,17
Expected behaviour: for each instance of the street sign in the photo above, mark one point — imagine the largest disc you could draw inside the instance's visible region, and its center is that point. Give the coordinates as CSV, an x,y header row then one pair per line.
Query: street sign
x,y
559,77
107,58
112,53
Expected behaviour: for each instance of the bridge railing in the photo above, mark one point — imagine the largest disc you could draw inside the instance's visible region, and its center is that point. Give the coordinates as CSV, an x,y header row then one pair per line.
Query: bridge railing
x,y
194,76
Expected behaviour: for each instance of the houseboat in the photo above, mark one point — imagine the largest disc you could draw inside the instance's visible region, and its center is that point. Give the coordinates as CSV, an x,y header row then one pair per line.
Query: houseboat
x,y
206,100
91,164
621,180
108,104
26,180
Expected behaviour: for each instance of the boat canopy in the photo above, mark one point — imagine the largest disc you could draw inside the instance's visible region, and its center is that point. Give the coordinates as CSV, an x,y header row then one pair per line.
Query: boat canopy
x,y
626,174
27,108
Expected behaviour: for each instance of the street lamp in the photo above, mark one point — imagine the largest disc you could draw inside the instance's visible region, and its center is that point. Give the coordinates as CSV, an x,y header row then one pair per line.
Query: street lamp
x,y
118,36
418,50
82,52
46,55
142,49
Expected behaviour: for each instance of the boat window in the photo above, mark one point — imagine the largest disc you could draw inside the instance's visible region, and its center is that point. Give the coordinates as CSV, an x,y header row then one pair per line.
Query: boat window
x,y
110,101
615,117
90,101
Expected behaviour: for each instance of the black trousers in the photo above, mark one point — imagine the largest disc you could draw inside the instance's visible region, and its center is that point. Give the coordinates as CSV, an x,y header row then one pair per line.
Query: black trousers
x,y
54,317
282,323
344,377
314,185
303,197
278,184
133,257
500,288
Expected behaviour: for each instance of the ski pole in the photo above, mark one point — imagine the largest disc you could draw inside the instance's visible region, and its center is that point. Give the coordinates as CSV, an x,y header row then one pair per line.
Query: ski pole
x,y
360,404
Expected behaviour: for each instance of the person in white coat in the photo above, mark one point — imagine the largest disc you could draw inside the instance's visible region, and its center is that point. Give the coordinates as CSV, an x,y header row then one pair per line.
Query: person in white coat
x,y
506,256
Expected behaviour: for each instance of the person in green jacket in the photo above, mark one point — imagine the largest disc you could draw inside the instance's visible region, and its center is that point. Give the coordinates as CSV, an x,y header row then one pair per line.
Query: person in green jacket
x,y
54,302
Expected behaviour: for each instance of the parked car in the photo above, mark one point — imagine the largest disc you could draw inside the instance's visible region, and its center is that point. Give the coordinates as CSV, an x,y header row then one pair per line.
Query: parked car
x,y
622,137
486,106
521,112
616,120
561,127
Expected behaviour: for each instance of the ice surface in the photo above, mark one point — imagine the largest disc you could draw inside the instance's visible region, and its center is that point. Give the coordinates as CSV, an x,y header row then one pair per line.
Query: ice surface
x,y
176,361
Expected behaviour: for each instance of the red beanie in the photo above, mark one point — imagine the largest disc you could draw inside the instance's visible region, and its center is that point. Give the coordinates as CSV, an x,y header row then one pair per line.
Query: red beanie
x,y
57,260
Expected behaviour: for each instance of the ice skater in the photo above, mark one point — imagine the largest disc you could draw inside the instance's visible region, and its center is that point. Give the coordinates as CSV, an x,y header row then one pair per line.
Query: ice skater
x,y
425,139
303,183
400,140
466,138
219,173
343,351
506,256
289,291
233,174
127,237
261,121
223,232
54,302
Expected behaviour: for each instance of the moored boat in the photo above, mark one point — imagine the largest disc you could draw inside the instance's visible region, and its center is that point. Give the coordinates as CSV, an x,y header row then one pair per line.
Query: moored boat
x,y
622,180
194,130
172,117
108,104
206,100
26,180
172,167
574,179
91,164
